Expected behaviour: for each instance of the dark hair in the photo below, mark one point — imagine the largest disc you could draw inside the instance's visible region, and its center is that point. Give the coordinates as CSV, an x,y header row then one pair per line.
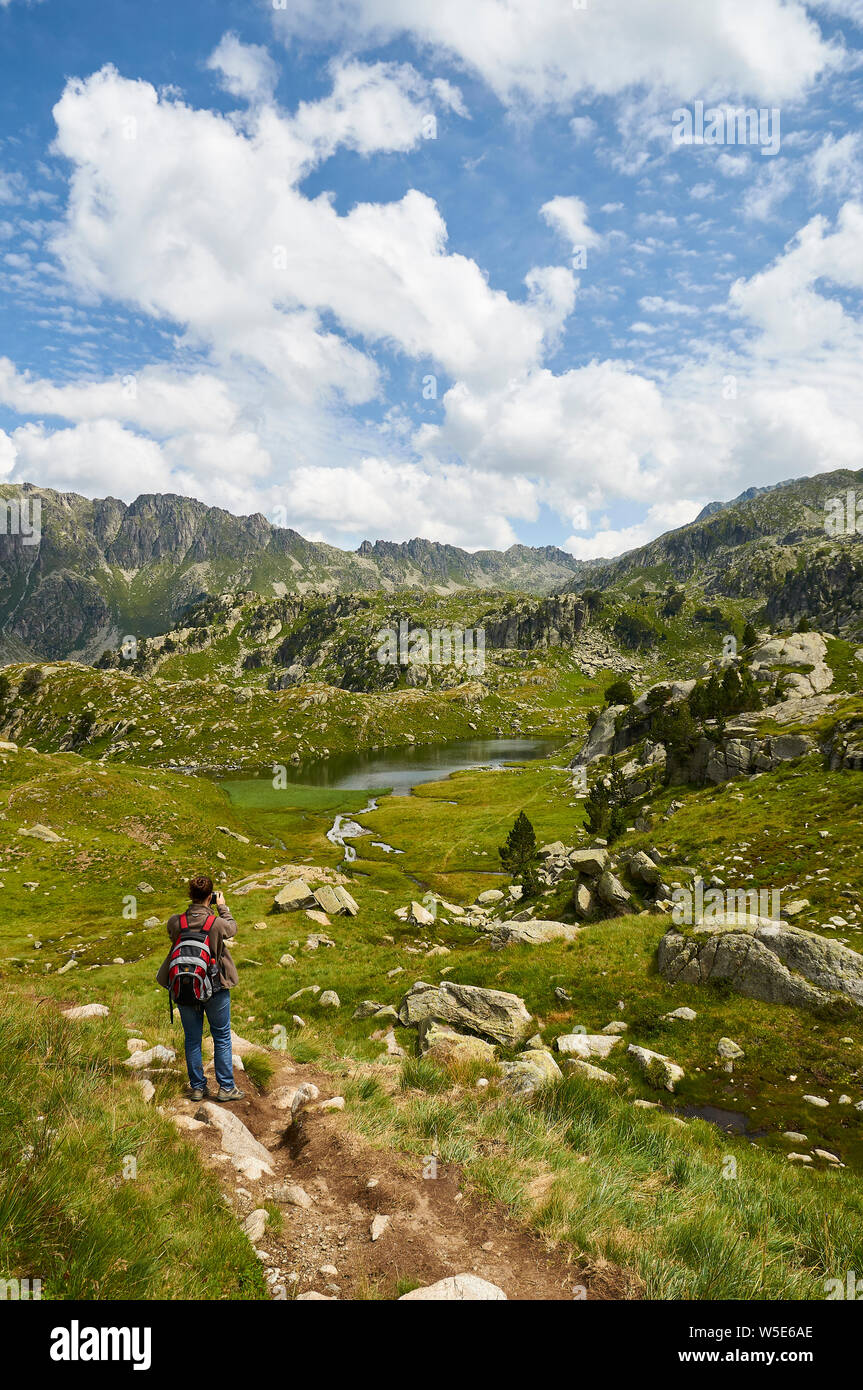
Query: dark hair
x,y
200,888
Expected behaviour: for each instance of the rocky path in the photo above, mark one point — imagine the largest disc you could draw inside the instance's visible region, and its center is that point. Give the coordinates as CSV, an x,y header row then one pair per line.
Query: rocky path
x,y
359,1222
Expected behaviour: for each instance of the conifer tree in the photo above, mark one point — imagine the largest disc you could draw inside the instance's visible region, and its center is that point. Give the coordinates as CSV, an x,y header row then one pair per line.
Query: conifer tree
x,y
519,854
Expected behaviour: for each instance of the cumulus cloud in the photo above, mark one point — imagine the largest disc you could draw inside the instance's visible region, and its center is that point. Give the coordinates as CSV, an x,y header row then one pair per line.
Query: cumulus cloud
x,y
87,456
792,316
553,52
451,503
245,70
568,217
606,543
199,229
160,401
837,165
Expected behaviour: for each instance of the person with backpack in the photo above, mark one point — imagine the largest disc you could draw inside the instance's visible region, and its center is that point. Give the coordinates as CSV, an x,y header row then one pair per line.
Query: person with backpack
x,y
199,974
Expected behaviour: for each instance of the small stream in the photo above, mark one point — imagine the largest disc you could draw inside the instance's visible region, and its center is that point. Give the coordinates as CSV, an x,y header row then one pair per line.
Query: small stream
x,y
345,827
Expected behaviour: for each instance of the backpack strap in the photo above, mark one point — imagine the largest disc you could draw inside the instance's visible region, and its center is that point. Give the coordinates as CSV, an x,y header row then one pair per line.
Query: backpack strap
x,y
184,926
206,928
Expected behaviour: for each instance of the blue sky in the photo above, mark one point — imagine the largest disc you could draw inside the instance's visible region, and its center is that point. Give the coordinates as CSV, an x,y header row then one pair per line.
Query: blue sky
x,y
385,268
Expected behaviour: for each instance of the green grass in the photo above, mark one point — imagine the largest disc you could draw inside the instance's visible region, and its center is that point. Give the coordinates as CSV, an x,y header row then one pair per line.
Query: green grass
x,y
99,1196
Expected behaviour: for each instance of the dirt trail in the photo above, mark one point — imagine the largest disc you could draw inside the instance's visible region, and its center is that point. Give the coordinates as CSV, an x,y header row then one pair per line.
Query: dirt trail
x,y
435,1229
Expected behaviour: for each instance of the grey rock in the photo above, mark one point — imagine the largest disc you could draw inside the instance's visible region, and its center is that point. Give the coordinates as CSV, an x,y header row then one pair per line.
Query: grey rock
x,y
459,1288
533,1069
491,1013
659,1070
611,891
764,959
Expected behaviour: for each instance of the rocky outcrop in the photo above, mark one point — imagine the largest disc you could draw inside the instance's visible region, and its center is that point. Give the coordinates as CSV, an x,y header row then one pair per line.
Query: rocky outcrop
x,y
807,649
602,739
764,959
712,762
551,622
490,1013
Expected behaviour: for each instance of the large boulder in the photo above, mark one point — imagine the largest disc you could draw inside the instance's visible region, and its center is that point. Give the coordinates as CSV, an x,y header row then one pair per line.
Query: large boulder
x,y
764,959
800,649
586,1045
490,1013
576,1066
591,862
533,1069
611,891
294,895
439,1041
88,1011
601,739
644,869
582,900
534,932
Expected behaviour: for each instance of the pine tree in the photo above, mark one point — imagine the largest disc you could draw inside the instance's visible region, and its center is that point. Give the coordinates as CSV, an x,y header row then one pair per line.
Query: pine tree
x,y
519,854
607,807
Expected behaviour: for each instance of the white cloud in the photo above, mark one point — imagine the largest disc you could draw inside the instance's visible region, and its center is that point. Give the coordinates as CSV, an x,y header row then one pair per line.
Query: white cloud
x,y
568,217
844,9
203,227
155,399
768,190
836,167
553,52
782,301
379,497
290,307
583,127
607,543
246,69
733,166
96,458
655,304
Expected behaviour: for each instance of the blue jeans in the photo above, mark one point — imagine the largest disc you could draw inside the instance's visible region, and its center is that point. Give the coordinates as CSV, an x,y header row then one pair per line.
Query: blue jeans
x,y
218,1011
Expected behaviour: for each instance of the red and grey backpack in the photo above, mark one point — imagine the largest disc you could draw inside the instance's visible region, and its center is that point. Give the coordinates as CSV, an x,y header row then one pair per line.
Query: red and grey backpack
x,y
192,965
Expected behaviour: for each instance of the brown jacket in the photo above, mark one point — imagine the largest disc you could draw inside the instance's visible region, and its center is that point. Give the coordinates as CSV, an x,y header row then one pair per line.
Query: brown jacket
x,y
221,931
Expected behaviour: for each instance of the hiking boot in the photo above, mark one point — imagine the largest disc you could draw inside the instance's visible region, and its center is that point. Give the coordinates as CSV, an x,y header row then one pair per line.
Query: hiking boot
x,y
198,1094
233,1094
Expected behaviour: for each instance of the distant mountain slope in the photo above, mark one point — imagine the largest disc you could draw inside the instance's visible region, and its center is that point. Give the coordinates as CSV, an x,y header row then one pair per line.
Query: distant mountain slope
x,y
103,568
769,544
713,507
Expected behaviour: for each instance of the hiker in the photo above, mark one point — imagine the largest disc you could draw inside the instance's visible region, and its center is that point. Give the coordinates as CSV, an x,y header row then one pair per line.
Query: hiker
x,y
198,973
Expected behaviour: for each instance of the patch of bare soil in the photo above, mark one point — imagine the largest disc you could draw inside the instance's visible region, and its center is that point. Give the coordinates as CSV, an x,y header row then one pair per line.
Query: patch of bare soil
x,y
435,1227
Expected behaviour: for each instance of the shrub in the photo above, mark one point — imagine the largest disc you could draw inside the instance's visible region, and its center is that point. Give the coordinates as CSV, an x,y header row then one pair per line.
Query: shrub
x,y
619,693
